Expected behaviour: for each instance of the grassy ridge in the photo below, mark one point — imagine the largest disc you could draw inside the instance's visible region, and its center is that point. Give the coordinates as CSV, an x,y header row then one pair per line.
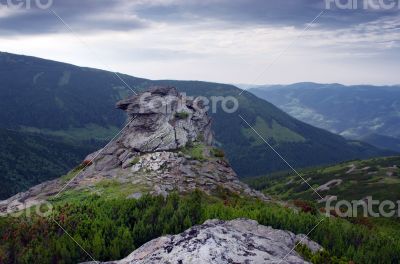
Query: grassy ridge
x,y
379,177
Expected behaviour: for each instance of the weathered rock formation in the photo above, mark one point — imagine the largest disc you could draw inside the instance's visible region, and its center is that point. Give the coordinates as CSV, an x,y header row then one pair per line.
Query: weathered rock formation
x,y
162,120
165,147
217,242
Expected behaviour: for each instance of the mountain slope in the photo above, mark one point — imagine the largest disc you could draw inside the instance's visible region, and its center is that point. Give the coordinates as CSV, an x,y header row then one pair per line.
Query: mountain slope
x,y
27,159
351,111
162,177
383,142
354,180
78,103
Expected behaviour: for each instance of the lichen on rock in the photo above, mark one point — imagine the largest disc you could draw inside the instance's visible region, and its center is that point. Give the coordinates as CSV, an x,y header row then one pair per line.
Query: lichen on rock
x,y
217,242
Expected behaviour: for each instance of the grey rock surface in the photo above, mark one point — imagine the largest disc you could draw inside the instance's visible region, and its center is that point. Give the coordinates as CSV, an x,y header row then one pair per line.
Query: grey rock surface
x,y
218,242
162,119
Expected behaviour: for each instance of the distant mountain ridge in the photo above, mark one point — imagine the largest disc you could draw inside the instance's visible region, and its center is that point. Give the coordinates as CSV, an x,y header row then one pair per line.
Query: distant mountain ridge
x,y
364,112
78,104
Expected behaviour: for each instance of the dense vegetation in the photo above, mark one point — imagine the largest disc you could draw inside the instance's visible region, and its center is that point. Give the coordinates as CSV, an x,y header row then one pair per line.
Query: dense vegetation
x,y
29,159
111,229
79,104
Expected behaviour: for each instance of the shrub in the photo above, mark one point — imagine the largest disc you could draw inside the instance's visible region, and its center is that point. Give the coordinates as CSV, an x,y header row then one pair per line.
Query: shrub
x,y
189,144
305,206
197,152
84,164
320,256
135,161
181,115
218,153
113,228
200,138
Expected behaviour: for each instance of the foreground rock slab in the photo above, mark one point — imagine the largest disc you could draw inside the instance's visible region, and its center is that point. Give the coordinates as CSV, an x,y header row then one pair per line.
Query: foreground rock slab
x,y
216,241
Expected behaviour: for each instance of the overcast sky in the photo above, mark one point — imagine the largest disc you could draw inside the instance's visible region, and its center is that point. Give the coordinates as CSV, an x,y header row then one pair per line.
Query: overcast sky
x,y
230,41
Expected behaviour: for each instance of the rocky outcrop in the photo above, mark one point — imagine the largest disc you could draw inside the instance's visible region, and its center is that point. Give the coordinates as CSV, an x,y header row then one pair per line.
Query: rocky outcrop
x,y
329,185
162,120
164,147
237,241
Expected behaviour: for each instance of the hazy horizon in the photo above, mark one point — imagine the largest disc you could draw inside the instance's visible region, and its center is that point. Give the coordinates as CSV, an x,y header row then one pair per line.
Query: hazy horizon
x,y
256,42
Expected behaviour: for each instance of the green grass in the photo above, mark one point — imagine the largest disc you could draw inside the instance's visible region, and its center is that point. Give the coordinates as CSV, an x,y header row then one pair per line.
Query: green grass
x,y
135,161
70,196
195,151
107,189
111,189
69,176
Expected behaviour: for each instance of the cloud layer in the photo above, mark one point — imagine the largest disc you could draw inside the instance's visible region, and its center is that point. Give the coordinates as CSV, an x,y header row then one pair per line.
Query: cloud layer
x,y
221,40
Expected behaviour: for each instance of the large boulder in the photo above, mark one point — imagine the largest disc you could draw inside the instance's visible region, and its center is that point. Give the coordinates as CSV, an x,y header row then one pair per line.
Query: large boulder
x,y
218,242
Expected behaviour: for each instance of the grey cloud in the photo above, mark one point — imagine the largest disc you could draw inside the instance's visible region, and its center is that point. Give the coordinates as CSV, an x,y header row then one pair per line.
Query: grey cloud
x,y
259,12
81,15
123,15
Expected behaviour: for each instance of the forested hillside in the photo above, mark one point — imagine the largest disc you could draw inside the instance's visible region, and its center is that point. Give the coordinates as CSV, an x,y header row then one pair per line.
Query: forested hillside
x,y
29,159
78,105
